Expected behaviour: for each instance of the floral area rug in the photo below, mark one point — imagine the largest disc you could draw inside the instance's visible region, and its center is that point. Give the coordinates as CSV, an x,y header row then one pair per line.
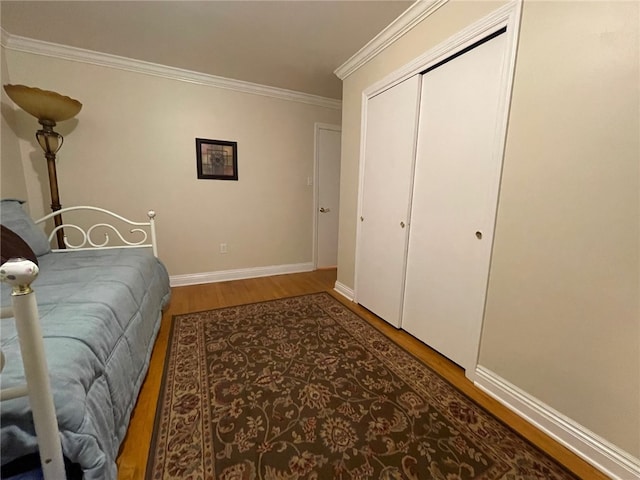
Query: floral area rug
x,y
303,388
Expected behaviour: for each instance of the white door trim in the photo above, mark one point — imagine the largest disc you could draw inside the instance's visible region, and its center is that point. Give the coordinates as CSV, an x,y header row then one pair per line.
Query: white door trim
x,y
316,186
506,16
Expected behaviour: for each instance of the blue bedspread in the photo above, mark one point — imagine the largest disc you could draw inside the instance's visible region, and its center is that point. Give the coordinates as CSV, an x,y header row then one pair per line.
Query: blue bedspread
x,y
100,312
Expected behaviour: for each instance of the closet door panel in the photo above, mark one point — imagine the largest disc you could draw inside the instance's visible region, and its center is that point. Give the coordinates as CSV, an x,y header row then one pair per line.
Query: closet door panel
x,y
388,170
457,170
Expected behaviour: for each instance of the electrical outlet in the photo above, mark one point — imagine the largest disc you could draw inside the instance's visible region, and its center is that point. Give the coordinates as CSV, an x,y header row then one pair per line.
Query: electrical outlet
x,y
223,248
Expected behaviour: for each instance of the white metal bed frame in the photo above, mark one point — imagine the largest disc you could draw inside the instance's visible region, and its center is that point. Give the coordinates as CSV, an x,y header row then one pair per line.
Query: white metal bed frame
x,y
86,233
20,274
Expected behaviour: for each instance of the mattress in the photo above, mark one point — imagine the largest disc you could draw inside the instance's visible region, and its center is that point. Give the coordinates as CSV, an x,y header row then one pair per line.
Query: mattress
x,y
100,313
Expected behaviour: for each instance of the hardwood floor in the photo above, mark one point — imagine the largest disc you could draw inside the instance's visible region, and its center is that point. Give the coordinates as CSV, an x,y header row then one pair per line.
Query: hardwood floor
x,y
133,453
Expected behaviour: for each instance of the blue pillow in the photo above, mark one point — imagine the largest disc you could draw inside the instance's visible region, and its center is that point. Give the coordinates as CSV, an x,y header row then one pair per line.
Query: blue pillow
x,y
16,219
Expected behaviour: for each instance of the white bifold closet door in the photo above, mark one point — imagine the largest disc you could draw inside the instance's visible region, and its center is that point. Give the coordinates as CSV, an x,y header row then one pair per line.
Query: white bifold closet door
x,y
457,173
388,170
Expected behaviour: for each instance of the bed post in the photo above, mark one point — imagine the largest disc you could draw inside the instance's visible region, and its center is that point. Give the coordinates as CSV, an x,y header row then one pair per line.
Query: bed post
x,y
20,273
152,224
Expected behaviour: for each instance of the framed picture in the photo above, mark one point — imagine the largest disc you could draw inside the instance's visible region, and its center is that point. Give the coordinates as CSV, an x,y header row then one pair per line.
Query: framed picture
x,y
217,159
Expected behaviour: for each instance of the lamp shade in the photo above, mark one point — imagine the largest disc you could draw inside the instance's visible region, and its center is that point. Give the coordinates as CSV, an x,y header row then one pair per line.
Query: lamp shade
x,y
43,104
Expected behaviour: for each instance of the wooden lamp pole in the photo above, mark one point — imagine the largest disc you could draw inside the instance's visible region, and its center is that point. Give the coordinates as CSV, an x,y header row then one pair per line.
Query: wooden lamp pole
x,y
48,107
51,142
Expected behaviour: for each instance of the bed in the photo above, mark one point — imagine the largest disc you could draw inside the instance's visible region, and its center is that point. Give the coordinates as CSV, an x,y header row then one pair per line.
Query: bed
x,y
100,311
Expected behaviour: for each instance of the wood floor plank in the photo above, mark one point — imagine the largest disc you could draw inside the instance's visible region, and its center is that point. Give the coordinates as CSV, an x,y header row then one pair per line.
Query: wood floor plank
x,y
134,450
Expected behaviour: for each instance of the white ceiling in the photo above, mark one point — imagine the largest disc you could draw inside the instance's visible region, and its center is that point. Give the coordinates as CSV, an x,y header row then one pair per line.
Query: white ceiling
x,y
294,44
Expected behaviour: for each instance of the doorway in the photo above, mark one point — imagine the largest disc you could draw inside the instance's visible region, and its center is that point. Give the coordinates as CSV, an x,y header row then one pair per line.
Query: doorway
x,y
326,195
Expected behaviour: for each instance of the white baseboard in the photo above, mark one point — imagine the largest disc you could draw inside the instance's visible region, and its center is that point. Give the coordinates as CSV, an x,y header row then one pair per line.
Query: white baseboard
x,y
602,454
239,274
343,290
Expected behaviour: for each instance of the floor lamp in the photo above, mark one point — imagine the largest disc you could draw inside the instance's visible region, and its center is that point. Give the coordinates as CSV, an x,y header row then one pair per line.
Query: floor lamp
x,y
49,108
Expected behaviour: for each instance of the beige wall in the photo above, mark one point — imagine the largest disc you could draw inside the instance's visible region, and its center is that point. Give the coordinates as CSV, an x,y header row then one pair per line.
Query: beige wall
x,y
132,147
562,320
12,183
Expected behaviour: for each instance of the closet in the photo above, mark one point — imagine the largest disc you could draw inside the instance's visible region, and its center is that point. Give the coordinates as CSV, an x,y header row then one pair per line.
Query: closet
x,y
433,151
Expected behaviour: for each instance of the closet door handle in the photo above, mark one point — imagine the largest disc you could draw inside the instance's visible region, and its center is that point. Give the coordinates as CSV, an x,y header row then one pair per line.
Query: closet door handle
x,y
401,224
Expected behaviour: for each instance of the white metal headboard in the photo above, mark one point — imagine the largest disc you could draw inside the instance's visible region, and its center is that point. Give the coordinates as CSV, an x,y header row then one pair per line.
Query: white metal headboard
x,y
147,238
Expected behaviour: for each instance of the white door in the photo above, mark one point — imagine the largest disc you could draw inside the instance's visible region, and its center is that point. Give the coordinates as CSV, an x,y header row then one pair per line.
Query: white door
x,y
328,185
388,163
457,173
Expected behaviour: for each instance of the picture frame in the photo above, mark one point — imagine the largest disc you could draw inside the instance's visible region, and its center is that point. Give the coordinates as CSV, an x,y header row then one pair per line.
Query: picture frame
x,y
216,159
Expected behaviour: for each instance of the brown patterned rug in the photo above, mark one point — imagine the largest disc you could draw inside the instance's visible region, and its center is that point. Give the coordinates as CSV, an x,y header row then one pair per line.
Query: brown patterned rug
x,y
303,388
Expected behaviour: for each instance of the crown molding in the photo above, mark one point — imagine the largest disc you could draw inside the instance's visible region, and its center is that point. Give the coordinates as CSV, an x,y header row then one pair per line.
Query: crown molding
x,y
39,47
485,26
408,19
